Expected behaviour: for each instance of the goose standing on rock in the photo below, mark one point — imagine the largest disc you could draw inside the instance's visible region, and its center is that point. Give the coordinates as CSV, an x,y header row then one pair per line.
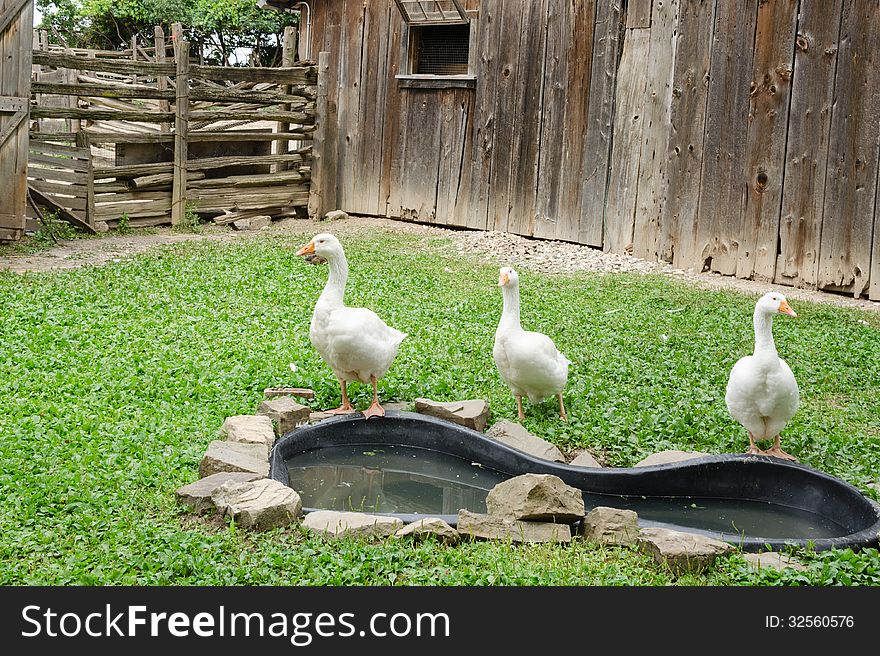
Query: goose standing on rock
x,y
762,393
528,362
355,342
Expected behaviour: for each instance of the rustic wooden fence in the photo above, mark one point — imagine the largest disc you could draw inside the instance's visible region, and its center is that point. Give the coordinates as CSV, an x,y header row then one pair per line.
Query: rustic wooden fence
x,y
736,136
165,136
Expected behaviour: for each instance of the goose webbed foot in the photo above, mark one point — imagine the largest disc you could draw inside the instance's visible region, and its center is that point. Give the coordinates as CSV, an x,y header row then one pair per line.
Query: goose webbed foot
x,y
375,410
777,452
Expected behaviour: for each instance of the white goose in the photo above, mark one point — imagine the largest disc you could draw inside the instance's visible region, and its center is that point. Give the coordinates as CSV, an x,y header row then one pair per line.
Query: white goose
x,y
762,393
355,342
527,361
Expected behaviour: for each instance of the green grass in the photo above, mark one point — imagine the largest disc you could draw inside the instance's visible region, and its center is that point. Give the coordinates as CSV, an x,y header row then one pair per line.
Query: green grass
x,y
113,380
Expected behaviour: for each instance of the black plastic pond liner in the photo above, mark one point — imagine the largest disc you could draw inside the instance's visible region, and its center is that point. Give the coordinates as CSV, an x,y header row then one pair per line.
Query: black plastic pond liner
x,y
726,479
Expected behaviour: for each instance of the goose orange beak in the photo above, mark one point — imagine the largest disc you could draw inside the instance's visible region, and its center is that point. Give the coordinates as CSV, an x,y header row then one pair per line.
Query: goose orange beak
x,y
503,279
785,308
308,249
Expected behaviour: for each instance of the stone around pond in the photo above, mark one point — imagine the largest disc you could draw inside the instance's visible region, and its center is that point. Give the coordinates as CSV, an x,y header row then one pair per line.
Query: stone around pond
x,y
774,560
285,413
198,495
235,457
430,526
261,504
472,414
681,552
612,526
335,524
248,429
667,457
493,527
513,435
536,497
584,458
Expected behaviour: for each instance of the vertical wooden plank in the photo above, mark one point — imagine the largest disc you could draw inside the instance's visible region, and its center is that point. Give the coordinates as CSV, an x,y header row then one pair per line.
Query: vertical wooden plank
x,y
82,141
578,23
350,49
288,58
455,142
507,118
812,96
15,75
181,130
768,130
653,161
162,80
552,119
690,91
851,178
322,189
523,181
874,287
597,145
477,188
134,56
370,101
392,134
419,174
638,13
627,142
723,186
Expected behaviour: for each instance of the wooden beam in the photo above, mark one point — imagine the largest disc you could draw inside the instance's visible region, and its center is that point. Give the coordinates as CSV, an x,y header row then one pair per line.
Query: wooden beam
x,y
101,90
181,129
303,73
102,114
66,214
122,66
321,184
162,80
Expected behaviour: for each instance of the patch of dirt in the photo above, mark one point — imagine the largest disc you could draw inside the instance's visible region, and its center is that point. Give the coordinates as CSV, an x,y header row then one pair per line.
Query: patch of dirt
x,y
533,254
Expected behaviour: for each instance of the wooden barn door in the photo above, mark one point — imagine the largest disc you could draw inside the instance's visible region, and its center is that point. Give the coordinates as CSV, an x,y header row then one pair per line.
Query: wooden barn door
x,y
16,30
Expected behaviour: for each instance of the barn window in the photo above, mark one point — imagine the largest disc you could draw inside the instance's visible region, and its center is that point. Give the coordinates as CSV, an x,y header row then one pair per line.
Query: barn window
x,y
438,43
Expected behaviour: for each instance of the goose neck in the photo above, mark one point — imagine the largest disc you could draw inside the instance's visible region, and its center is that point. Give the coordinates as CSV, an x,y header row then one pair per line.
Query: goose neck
x,y
764,343
334,290
510,315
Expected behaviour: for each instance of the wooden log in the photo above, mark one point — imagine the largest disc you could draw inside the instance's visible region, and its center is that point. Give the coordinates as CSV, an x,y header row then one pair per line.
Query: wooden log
x,y
100,90
163,179
122,66
241,135
304,73
133,170
181,134
62,175
83,142
806,158
221,200
300,118
303,155
90,114
288,58
280,177
64,188
68,164
301,97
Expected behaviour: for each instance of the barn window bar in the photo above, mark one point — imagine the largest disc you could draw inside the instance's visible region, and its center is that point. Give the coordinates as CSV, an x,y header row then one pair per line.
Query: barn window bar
x,y
432,12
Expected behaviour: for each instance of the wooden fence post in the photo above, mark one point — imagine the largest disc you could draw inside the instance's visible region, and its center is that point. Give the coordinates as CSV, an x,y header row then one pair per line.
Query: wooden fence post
x,y
288,58
162,80
181,129
322,190
83,141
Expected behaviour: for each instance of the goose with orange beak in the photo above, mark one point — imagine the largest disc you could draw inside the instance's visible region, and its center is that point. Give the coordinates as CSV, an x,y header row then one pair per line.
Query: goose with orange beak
x,y
762,393
354,342
528,362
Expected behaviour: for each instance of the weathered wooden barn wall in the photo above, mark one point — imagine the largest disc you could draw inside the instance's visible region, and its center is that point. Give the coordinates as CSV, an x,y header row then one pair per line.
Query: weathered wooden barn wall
x,y
737,136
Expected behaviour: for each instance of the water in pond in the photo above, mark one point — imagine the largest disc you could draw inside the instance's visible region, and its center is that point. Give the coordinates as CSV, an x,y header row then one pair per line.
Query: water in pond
x,y
390,479
407,480
758,519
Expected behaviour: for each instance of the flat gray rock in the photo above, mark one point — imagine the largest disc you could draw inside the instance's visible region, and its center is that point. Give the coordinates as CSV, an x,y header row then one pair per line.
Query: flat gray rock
x,y
513,435
430,526
472,414
198,495
334,524
248,429
774,560
584,458
492,527
536,497
681,552
610,526
285,413
666,457
259,505
336,215
224,456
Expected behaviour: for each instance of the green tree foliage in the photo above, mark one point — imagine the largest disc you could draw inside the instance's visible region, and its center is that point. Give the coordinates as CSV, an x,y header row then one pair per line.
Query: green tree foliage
x,y
221,26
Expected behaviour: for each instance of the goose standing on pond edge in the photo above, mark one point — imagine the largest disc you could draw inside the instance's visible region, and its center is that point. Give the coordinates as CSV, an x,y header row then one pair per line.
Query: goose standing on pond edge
x,y
354,342
762,393
528,362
